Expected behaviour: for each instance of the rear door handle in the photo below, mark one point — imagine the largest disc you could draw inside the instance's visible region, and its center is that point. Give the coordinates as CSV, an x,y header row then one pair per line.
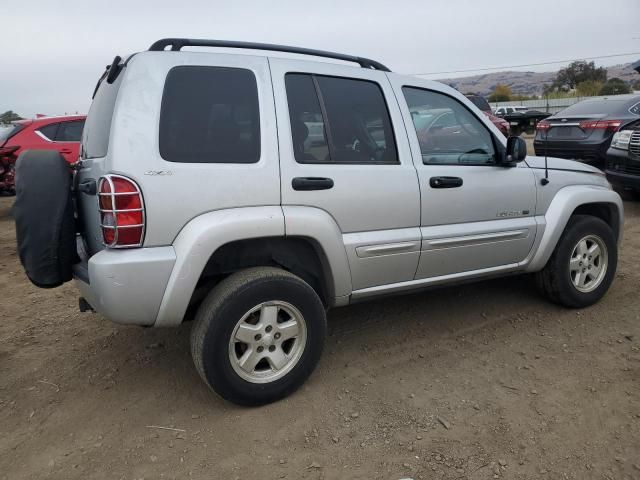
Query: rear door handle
x,y
66,150
311,183
445,182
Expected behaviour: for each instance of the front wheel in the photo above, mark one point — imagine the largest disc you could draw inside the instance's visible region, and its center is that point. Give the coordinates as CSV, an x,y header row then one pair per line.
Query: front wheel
x,y
582,266
258,335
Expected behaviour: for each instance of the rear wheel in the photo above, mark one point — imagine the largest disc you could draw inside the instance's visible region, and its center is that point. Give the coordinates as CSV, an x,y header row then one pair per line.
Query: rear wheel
x,y
583,265
258,335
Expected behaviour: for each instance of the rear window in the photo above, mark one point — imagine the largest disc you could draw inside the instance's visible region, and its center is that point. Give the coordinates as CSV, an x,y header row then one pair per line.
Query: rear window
x,y
7,132
210,115
479,102
97,127
597,107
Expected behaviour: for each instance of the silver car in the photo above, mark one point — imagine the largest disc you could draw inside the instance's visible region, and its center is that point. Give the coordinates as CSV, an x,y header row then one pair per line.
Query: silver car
x,y
252,193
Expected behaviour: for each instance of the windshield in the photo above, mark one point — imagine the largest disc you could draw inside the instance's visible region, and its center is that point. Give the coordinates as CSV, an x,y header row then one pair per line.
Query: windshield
x,y
9,131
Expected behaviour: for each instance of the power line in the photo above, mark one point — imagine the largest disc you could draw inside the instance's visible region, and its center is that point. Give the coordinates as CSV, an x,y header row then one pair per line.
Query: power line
x,y
527,65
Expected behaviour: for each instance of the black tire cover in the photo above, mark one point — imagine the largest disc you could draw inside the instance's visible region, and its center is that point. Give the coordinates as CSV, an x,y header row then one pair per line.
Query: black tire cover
x,y
44,216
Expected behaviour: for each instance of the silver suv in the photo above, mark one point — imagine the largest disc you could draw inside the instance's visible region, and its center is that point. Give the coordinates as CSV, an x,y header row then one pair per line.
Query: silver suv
x,y
253,193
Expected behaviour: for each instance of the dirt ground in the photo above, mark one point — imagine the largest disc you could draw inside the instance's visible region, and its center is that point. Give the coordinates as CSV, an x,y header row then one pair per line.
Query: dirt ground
x,y
476,382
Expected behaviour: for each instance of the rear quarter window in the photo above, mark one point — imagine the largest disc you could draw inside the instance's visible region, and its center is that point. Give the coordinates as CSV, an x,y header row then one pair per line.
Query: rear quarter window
x,y
210,115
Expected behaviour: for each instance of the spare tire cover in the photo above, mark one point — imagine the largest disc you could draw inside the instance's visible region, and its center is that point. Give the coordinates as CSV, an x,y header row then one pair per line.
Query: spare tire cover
x,y
44,216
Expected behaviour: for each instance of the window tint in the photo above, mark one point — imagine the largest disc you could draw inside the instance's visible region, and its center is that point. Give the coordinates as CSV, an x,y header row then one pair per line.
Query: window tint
x,y
70,131
447,132
352,125
49,131
307,125
210,115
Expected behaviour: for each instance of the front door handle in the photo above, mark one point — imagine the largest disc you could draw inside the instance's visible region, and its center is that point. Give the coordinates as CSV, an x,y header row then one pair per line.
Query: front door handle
x,y
311,183
445,182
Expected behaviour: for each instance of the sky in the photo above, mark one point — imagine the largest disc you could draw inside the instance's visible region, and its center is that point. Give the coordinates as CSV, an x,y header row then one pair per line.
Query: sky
x,y
53,51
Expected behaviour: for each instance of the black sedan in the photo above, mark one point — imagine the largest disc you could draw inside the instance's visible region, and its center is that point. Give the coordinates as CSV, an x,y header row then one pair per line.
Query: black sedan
x,y
583,131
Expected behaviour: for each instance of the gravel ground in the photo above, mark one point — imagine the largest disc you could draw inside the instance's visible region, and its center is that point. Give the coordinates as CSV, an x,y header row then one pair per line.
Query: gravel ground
x,y
482,381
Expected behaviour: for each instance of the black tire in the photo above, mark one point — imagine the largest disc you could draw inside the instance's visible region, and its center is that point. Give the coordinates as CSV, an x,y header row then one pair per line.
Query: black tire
x,y
219,315
554,281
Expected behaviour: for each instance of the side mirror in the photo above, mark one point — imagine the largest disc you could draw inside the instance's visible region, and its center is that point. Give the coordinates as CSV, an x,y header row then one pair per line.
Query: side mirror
x,y
516,150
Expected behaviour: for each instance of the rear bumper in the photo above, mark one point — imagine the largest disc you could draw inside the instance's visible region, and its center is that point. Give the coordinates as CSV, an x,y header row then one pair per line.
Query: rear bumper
x,y
572,150
126,286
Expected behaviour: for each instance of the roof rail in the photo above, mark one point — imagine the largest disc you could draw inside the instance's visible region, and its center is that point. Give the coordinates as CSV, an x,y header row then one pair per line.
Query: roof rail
x,y
178,43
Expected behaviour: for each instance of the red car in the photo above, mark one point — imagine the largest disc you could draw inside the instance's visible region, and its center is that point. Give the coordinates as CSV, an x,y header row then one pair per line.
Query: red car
x,y
483,105
46,133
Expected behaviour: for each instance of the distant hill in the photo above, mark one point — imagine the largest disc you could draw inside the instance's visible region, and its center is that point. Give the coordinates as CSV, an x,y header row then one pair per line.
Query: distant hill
x,y
525,83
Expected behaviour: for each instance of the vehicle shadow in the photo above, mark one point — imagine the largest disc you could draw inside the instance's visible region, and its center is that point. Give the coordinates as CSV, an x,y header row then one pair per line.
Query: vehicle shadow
x,y
441,314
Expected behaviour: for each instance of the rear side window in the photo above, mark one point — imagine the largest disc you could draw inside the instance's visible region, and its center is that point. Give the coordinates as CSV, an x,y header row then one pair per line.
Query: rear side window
x,y
210,115
339,120
49,131
70,131
307,125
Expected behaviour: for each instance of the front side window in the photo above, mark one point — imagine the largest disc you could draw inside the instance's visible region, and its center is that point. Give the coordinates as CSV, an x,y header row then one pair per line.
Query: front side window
x,y
339,120
210,115
447,132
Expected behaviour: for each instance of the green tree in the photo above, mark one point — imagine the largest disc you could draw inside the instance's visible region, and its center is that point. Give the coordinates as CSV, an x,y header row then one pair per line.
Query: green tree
x,y
589,88
9,116
615,86
577,72
635,85
502,93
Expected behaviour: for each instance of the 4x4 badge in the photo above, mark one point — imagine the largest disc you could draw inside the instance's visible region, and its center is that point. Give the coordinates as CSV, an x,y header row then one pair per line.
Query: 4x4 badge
x,y
513,213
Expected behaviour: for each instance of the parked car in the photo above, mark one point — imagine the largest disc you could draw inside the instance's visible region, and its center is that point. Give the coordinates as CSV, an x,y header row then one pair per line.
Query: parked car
x,y
623,158
484,106
510,109
524,119
583,131
210,203
56,133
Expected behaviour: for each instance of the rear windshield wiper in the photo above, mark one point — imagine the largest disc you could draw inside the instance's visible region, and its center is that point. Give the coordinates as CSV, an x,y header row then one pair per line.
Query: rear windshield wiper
x,y
111,72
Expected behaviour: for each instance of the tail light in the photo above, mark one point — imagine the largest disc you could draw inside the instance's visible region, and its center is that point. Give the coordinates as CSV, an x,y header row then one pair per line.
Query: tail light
x,y
122,215
8,151
612,125
543,125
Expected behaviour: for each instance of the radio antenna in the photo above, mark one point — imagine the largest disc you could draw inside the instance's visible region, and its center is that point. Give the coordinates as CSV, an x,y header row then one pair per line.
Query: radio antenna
x,y
545,180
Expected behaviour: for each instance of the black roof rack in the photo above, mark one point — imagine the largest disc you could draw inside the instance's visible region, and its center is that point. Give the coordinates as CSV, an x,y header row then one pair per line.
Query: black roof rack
x,y
178,43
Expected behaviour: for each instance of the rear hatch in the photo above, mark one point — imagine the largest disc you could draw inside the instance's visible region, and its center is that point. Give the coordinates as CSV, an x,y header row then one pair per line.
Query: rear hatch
x,y
94,156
